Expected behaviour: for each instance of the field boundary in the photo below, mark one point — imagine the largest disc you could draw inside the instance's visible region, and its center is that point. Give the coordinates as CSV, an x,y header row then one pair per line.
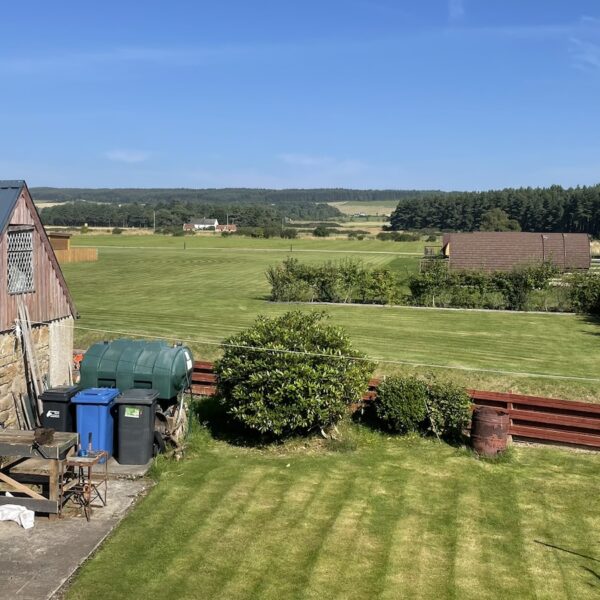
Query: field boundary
x,y
246,249
532,418
445,308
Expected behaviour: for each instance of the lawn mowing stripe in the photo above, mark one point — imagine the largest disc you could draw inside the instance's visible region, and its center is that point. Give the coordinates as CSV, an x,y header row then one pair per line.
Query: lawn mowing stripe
x,y
268,548
557,514
182,517
344,563
216,524
324,522
283,557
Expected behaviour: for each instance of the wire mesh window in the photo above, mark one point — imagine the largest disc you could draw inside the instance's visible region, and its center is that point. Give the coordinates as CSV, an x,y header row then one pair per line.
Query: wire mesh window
x,y
20,262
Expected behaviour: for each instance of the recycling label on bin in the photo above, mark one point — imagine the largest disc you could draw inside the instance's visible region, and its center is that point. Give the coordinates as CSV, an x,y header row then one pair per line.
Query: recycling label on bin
x,y
133,412
53,414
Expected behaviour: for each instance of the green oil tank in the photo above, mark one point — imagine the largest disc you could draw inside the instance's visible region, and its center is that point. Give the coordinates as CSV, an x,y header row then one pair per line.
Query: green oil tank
x,y
127,364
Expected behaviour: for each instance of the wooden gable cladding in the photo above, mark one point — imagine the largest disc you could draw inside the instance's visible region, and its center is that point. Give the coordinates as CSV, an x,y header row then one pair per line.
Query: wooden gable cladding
x,y
51,299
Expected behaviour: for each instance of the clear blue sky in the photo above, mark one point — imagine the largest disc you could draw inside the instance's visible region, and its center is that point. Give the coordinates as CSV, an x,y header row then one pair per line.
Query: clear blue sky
x,y
459,94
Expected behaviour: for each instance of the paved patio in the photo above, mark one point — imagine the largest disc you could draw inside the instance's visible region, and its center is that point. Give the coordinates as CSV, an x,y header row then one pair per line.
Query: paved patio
x,y
35,563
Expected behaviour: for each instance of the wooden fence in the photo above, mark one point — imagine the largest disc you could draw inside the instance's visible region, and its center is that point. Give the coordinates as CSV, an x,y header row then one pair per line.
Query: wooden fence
x,y
73,255
531,418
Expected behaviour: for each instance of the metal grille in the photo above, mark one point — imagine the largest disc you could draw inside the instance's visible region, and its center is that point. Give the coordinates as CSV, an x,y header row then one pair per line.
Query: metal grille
x,y
20,262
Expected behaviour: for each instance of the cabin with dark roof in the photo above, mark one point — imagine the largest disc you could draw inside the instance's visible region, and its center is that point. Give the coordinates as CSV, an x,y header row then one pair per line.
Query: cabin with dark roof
x,y
504,251
30,277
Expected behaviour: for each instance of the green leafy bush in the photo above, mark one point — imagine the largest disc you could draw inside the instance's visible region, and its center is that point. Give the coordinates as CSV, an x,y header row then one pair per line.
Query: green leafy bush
x,y
401,404
435,285
410,404
289,374
449,409
345,281
117,231
584,292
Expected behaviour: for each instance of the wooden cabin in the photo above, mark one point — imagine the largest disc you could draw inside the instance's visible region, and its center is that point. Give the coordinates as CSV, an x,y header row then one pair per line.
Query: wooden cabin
x,y
31,276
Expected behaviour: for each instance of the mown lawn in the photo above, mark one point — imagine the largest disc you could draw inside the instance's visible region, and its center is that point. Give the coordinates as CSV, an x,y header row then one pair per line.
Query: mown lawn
x,y
394,518
215,287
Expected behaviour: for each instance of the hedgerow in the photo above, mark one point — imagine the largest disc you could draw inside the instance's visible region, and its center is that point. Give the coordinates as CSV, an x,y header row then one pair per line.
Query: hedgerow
x,y
350,281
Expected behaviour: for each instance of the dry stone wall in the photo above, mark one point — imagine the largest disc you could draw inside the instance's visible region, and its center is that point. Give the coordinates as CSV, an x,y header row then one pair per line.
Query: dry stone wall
x,y
54,348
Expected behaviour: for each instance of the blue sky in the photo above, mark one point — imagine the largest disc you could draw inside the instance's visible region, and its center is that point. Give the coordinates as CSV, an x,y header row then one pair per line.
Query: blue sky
x,y
458,94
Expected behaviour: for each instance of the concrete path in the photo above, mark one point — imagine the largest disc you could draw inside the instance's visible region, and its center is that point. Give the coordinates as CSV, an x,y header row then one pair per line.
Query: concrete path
x,y
35,563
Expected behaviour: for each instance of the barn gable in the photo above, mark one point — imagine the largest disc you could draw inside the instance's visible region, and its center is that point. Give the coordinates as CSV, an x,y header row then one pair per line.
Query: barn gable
x,y
43,286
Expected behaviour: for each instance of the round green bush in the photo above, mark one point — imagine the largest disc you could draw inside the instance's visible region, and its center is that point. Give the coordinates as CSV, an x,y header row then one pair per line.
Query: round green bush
x,y
449,409
290,374
401,404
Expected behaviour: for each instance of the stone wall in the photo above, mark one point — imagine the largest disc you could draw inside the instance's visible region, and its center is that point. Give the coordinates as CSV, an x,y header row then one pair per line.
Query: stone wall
x,y
54,349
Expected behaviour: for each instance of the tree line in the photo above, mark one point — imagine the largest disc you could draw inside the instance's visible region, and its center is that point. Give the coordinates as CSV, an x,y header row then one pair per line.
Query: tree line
x,y
220,195
529,209
173,215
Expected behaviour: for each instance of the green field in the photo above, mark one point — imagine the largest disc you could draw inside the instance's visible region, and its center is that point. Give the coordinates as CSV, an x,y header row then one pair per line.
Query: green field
x,y
150,285
379,207
369,515
395,518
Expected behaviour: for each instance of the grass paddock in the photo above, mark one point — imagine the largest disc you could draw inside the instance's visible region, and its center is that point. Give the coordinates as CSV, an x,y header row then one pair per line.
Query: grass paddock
x,y
150,285
396,518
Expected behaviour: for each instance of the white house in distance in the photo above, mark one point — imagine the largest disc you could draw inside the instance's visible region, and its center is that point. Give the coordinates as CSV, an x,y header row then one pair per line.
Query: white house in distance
x,y
201,225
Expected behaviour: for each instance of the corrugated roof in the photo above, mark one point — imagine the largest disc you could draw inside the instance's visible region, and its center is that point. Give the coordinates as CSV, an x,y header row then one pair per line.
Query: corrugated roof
x,y
503,251
9,194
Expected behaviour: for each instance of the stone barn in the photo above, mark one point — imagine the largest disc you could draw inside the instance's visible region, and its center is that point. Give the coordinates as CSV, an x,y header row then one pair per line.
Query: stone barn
x,y
30,275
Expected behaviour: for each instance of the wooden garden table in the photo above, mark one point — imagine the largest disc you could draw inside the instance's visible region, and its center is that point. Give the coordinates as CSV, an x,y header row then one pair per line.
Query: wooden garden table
x,y
19,446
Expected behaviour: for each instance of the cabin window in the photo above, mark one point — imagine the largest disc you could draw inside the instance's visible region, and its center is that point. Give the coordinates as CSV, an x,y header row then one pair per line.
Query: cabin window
x,y
20,261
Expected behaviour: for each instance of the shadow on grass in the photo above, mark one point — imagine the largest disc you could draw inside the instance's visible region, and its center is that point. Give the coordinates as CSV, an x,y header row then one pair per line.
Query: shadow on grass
x,y
367,416
593,320
212,414
548,545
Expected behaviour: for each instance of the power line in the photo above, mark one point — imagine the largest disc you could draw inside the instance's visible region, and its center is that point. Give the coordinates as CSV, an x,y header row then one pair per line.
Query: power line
x,y
377,360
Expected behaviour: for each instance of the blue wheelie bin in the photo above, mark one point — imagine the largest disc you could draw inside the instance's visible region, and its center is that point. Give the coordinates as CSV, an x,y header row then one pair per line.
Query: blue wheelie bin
x,y
95,415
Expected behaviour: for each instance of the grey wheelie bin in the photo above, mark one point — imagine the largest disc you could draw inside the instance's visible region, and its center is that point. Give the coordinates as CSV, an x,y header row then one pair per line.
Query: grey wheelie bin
x,y
135,426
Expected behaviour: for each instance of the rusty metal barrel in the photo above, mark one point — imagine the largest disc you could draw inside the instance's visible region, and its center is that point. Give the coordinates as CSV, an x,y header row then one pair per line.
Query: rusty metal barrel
x,y
489,430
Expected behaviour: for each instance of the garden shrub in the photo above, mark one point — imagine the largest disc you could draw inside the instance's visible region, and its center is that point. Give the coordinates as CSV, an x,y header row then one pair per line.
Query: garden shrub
x,y
409,404
401,404
435,285
584,292
346,280
116,231
288,374
449,409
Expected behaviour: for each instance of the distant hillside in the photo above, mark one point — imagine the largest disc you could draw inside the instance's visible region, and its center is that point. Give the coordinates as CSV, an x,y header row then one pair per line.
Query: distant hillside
x,y
225,195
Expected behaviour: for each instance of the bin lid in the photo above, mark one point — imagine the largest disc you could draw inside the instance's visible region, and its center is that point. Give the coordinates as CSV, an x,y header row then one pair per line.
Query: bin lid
x,y
137,396
96,396
61,393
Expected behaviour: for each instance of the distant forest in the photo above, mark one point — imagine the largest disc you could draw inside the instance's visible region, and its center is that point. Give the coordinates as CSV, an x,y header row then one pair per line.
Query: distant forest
x,y
246,207
534,209
176,213
225,195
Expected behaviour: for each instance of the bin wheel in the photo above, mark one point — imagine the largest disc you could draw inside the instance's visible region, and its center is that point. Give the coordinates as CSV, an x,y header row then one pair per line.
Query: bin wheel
x,y
159,443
